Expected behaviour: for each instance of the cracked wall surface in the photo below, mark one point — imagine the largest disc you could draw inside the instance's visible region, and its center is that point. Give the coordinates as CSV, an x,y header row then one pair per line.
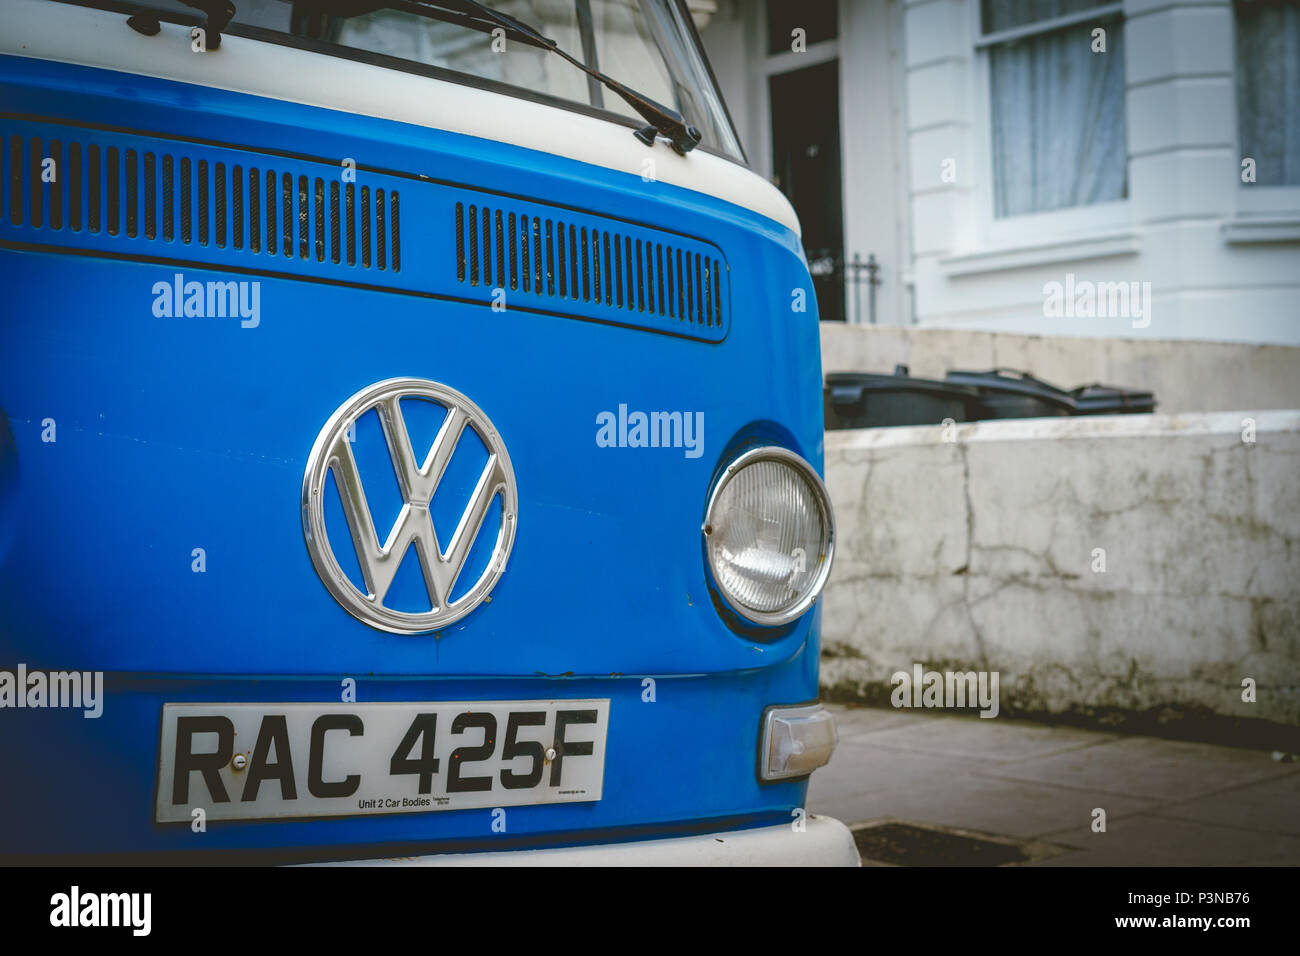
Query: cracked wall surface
x,y
978,553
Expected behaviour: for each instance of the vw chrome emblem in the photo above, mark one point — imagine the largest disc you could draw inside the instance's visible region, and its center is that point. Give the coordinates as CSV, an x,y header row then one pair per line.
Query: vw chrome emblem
x,y
379,559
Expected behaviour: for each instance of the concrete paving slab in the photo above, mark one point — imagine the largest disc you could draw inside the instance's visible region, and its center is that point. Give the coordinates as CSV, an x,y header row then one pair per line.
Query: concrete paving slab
x,y
864,782
1167,802
1149,840
1148,767
1273,806
858,768
993,739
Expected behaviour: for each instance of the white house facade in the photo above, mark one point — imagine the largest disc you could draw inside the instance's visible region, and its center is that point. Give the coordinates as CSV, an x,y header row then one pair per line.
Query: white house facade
x,y
1061,167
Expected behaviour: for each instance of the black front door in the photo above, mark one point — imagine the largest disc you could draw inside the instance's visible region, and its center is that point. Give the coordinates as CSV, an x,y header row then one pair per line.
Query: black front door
x,y
806,163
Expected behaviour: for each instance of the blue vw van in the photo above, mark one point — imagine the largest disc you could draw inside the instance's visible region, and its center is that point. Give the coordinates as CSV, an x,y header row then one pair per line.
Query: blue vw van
x,y
410,429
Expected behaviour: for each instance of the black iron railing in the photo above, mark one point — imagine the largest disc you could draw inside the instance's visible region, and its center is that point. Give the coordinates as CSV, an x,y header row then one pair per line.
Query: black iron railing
x,y
839,285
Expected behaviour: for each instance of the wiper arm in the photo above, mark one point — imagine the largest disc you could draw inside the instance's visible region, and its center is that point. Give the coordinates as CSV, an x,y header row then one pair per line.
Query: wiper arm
x,y
662,119
219,14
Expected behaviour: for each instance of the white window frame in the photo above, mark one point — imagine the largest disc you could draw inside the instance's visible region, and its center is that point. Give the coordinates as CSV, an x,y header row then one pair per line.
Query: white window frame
x,y
1254,200
1094,219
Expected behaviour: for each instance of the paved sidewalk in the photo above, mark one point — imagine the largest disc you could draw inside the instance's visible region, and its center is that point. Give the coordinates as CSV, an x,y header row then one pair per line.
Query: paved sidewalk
x,y
1167,802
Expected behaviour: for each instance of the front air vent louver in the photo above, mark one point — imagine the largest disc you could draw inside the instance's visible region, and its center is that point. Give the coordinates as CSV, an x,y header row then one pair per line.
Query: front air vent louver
x,y
560,258
157,196
182,204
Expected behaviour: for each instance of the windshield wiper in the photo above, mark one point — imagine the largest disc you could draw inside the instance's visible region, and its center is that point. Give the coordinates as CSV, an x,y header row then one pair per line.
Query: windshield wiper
x,y
662,120
218,13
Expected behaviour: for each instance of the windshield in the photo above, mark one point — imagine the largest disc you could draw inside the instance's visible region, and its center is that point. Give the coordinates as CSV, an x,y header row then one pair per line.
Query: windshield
x,y
646,44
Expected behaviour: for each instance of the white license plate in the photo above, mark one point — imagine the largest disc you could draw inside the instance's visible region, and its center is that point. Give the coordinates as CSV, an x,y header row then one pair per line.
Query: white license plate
x,y
313,760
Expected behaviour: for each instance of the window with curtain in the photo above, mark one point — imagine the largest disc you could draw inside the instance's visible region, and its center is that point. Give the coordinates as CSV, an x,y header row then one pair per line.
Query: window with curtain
x,y
1056,106
1268,88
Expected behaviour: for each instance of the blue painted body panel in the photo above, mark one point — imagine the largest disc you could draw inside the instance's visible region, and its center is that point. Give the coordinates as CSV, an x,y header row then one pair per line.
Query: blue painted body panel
x,y
183,433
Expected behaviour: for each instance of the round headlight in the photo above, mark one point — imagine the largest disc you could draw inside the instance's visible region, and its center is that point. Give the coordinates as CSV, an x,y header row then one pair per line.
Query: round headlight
x,y
769,535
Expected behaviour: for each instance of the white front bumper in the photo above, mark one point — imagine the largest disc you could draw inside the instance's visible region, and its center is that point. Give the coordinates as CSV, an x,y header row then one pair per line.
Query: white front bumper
x,y
822,842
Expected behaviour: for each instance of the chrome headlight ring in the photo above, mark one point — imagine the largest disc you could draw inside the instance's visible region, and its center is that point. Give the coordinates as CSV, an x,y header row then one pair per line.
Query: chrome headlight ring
x,y
769,536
